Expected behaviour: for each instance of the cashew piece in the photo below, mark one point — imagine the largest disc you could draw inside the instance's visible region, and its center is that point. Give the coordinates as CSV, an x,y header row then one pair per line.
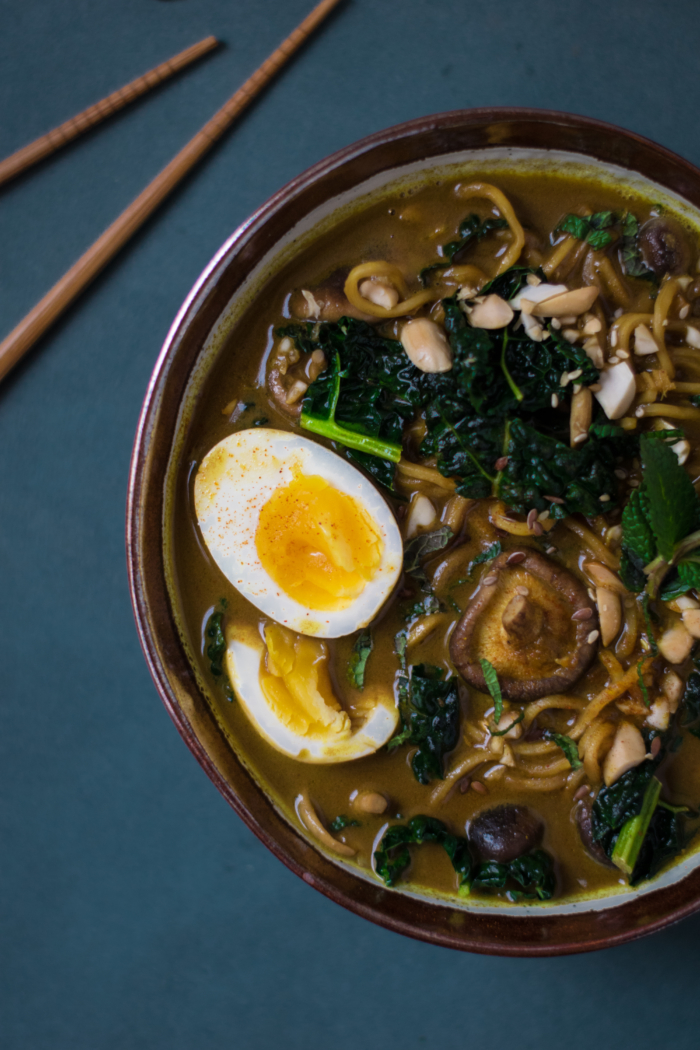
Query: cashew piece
x,y
609,613
426,345
381,293
494,312
369,802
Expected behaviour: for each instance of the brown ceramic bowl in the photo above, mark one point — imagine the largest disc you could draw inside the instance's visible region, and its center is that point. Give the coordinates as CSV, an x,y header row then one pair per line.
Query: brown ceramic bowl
x,y
469,136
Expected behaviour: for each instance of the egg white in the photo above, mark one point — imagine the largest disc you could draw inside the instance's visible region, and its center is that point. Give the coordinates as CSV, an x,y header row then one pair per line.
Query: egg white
x,y
244,657
235,480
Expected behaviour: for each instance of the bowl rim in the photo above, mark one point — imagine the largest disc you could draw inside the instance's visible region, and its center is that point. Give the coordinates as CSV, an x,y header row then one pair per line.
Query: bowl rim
x,y
431,920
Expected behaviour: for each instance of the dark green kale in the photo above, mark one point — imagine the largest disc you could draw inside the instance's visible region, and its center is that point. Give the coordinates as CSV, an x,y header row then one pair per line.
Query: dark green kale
x,y
423,607
661,524
471,231
215,647
393,857
638,831
430,708
360,655
534,872
342,821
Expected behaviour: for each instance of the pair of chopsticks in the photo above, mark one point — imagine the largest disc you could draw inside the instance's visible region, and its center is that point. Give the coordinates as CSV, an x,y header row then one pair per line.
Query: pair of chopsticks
x,y
70,286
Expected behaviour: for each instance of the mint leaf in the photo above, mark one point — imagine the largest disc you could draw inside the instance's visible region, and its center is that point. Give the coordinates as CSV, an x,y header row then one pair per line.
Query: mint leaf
x,y
420,547
567,745
493,687
358,661
637,535
673,505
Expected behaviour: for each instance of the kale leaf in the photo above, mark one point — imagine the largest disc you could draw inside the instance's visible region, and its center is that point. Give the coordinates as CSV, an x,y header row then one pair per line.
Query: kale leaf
x,y
393,857
216,648
471,231
533,871
594,228
430,708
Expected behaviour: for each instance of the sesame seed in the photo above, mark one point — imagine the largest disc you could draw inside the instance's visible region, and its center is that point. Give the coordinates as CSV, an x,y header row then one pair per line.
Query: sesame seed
x,y
554,499
582,614
555,401
581,793
543,515
580,437
683,313
622,355
501,463
621,474
480,788
655,746
575,374
613,338
537,529
639,412
593,637
531,518
563,379
634,483
515,558
488,581
522,591
614,360
604,498
551,550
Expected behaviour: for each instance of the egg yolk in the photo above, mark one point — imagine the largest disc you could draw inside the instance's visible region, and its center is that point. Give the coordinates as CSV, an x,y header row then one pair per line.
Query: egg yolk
x,y
296,684
318,544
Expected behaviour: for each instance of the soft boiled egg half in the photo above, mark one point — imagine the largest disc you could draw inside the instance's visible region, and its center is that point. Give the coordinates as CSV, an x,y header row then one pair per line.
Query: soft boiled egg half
x,y
298,531
283,683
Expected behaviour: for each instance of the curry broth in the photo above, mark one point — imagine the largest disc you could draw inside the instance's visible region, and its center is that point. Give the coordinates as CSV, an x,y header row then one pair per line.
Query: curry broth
x,y
404,229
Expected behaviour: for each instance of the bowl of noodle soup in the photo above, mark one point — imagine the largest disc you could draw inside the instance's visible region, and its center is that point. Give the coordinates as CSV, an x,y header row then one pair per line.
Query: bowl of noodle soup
x,y
479,329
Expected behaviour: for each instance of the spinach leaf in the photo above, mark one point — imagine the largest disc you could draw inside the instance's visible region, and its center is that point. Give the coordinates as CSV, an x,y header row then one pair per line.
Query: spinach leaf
x,y
509,283
430,708
567,745
360,654
471,231
617,804
494,688
417,549
665,838
534,872
216,648
342,821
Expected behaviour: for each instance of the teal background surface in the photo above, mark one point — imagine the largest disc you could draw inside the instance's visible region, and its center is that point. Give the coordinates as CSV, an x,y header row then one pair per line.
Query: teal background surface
x,y
137,910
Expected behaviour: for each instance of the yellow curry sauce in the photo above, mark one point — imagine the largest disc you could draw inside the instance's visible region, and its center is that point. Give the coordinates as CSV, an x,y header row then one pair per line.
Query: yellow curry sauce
x,y
405,231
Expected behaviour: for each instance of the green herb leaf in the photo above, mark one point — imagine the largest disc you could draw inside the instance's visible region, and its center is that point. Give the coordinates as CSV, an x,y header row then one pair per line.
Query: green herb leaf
x,y
567,745
216,648
393,857
430,709
673,504
471,231
342,821
493,687
420,547
358,661
502,732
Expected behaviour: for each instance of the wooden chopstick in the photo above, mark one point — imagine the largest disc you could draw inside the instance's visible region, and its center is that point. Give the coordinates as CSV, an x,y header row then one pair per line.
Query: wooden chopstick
x,y
65,291
42,147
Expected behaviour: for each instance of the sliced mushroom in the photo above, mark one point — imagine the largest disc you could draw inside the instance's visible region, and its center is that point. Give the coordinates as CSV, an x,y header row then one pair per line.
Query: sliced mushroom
x,y
536,646
627,751
326,301
664,246
504,833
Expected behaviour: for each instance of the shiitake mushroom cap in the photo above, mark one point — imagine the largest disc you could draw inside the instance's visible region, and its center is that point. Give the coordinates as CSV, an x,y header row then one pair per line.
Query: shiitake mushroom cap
x,y
537,670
